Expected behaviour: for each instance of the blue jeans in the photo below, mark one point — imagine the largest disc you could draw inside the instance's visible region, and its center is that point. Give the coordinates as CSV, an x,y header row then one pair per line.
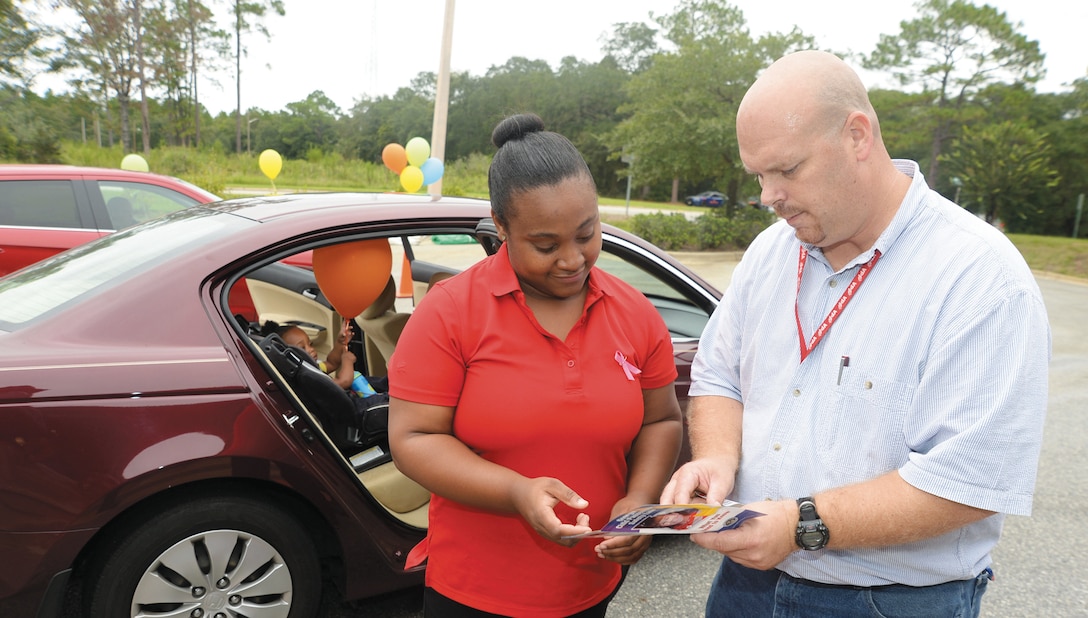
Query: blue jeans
x,y
748,593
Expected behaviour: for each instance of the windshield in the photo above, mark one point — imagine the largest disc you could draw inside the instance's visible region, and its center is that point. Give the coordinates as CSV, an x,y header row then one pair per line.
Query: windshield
x,y
62,279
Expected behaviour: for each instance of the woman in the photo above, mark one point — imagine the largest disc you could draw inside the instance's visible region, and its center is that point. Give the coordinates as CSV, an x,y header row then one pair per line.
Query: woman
x,y
533,396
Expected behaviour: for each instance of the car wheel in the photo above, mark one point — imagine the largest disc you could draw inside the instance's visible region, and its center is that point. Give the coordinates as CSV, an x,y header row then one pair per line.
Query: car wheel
x,y
213,557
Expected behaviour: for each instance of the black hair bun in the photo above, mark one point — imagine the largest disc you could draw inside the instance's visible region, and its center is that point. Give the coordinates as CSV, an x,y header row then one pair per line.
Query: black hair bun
x,y
516,127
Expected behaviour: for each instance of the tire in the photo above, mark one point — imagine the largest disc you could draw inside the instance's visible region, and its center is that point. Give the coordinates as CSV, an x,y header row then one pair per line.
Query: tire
x,y
224,554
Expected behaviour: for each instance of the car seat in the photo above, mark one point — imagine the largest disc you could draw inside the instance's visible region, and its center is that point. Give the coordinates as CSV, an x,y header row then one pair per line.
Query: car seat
x,y
381,325
121,215
350,427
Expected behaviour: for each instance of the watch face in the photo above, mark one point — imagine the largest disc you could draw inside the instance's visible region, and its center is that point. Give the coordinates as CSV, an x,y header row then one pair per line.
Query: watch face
x,y
812,534
813,537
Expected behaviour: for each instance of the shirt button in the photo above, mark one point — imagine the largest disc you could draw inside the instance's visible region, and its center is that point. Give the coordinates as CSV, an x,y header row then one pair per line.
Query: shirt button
x,y
796,392
833,283
868,384
570,363
778,447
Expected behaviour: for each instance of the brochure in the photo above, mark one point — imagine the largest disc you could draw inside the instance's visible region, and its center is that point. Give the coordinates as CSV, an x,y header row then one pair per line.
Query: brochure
x,y
675,519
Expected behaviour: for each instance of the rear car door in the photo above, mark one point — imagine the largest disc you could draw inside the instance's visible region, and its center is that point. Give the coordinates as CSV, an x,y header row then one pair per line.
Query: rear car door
x,y
40,217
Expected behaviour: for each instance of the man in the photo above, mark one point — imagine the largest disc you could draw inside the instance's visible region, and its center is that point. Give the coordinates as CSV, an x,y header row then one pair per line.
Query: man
x,y
874,380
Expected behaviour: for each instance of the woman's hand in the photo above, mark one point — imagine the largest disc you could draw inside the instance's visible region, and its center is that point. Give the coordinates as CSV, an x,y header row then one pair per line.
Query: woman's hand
x,y
627,548
535,501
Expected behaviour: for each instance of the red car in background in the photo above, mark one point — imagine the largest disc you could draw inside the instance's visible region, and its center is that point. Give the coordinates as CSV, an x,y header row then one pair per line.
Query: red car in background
x,y
46,209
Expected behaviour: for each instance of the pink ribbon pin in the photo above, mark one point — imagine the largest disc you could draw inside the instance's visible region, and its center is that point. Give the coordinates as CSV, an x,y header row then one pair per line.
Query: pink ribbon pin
x,y
630,370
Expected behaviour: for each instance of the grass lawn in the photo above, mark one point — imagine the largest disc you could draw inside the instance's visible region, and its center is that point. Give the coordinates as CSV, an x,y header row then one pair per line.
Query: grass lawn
x,y
1063,256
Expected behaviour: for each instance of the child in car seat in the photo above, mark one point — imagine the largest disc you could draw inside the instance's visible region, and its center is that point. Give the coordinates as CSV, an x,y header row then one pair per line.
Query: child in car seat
x,y
340,363
369,395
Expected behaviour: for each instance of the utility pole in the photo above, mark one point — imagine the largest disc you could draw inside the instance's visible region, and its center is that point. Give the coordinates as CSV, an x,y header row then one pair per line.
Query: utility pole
x,y
1080,209
442,98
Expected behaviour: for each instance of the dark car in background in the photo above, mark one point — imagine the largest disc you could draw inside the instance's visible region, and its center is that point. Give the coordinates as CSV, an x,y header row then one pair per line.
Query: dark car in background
x,y
161,457
711,199
46,209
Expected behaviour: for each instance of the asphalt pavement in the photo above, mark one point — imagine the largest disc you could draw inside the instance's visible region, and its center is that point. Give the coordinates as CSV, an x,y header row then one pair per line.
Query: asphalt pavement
x,y
1036,562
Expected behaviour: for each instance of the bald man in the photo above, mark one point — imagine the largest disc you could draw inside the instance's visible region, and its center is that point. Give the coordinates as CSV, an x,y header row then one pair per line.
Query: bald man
x,y
874,380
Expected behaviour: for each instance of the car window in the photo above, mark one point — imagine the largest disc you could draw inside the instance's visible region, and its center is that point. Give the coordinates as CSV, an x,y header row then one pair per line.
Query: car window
x,y
39,203
129,203
684,318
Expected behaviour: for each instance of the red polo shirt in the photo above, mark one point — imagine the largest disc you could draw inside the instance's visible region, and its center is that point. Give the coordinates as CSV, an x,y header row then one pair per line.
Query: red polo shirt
x,y
543,407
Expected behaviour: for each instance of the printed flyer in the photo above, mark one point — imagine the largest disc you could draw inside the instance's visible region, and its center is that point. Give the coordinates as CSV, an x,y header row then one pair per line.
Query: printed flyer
x,y
676,519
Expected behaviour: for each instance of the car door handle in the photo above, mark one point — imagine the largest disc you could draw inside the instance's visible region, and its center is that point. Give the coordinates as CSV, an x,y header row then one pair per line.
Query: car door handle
x,y
310,293
290,419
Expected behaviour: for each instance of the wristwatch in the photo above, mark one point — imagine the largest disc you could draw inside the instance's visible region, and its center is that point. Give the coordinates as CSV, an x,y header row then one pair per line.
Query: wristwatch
x,y
812,534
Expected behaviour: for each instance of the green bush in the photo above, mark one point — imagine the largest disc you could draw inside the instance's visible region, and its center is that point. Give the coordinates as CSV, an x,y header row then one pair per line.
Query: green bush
x,y
670,232
714,230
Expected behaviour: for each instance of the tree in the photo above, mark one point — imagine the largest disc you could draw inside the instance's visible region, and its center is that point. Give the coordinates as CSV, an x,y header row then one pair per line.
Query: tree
x,y
309,124
141,72
1003,167
204,44
681,120
18,41
104,44
953,49
632,45
246,16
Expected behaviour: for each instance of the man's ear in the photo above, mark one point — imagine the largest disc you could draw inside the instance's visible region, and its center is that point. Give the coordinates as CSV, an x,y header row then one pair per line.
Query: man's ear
x,y
860,129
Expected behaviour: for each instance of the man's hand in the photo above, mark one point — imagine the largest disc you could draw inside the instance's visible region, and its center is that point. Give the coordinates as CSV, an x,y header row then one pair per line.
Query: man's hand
x,y
761,542
709,478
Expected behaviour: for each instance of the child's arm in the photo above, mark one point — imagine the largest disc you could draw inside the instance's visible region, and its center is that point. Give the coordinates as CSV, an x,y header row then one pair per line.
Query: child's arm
x,y
345,373
333,362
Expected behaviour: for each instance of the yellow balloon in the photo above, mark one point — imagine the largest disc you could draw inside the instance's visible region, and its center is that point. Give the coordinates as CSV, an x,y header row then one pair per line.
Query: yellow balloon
x,y
270,163
411,178
418,150
134,163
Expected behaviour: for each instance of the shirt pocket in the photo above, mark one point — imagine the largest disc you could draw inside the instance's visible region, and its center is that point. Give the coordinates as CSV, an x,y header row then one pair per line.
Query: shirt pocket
x,y
859,432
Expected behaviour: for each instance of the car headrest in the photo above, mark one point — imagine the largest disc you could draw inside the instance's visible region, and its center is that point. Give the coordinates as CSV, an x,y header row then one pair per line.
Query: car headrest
x,y
383,303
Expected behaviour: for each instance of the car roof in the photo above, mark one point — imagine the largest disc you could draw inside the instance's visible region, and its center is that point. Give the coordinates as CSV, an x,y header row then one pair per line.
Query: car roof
x,y
30,171
268,208
42,169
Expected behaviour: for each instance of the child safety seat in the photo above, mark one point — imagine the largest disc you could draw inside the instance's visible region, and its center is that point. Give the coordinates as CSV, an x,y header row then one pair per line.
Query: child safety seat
x,y
349,421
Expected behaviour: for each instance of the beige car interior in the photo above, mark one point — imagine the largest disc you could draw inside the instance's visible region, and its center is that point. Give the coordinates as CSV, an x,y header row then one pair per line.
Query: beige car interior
x,y
381,325
274,303
402,497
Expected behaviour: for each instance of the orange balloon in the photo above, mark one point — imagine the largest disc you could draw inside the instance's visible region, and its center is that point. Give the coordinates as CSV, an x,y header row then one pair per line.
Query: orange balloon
x,y
395,157
353,274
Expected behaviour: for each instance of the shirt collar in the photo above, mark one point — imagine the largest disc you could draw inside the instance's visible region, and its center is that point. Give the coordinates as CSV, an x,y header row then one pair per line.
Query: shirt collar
x,y
503,279
908,208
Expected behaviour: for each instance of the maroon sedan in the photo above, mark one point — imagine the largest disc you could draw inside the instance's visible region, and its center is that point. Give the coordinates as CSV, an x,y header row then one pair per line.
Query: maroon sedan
x,y
160,456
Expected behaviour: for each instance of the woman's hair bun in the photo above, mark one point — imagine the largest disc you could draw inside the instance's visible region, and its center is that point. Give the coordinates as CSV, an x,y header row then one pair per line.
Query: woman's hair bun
x,y
516,127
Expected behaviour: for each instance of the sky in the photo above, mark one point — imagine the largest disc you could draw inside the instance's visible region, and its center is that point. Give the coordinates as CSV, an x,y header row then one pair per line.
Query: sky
x,y
349,49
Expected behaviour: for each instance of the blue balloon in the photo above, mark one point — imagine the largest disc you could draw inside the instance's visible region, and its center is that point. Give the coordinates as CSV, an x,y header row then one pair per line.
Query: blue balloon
x,y
432,170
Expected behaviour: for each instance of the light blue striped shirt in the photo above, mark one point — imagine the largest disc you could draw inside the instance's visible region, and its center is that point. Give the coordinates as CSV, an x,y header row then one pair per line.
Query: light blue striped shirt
x,y
948,345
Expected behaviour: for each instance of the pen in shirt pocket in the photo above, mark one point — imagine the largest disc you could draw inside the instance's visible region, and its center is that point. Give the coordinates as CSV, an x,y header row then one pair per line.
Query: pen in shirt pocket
x,y
844,362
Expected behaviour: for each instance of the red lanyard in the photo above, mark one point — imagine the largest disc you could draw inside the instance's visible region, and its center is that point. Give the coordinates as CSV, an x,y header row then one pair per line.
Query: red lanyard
x,y
837,310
